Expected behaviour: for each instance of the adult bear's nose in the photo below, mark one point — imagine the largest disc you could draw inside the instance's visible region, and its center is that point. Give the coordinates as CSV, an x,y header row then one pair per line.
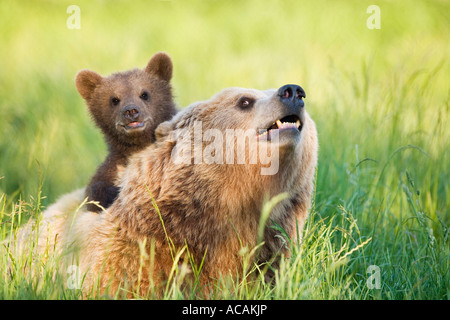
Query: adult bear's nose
x,y
291,95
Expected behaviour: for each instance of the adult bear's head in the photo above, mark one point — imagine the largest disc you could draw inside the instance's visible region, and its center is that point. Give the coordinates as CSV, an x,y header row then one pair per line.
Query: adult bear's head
x,y
246,131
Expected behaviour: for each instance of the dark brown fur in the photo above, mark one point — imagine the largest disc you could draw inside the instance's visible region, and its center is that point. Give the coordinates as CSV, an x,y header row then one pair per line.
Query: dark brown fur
x,y
136,97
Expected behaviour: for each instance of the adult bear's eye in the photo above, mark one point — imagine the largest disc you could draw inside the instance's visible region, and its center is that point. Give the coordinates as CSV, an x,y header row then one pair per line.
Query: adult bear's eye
x,y
245,102
144,95
115,101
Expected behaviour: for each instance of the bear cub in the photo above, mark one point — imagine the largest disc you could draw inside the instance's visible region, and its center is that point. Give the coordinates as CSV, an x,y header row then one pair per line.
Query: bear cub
x,y
127,106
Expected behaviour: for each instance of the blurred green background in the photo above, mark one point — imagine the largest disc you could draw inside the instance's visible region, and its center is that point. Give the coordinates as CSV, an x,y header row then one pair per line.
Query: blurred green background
x,y
377,89
380,99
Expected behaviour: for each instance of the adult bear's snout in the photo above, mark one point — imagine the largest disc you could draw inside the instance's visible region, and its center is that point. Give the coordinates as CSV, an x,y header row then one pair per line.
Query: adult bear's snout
x,y
291,95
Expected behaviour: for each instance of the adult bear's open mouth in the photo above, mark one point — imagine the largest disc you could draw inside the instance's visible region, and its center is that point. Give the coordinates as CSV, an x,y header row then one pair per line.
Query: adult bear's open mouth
x,y
291,122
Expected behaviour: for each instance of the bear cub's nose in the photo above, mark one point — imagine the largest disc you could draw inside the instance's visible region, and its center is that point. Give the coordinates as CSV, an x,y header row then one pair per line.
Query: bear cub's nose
x,y
291,95
131,112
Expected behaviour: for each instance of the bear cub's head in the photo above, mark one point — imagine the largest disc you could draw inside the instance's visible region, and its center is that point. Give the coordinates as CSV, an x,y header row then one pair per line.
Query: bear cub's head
x,y
128,106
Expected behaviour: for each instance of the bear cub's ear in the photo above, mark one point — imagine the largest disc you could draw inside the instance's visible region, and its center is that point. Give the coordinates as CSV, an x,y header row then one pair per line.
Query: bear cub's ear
x,y
160,65
86,81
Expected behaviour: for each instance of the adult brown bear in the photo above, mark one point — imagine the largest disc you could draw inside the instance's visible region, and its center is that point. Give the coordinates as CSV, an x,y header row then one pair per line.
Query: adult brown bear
x,y
210,204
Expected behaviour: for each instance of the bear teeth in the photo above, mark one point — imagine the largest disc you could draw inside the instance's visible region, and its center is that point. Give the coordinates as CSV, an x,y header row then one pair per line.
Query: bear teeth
x,y
280,125
288,124
263,134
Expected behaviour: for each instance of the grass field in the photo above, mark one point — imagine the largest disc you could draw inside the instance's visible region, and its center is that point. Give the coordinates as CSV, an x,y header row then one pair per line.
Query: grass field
x,y
380,99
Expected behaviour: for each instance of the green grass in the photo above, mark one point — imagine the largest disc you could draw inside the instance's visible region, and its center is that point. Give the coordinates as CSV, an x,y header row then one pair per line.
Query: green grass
x,y
380,99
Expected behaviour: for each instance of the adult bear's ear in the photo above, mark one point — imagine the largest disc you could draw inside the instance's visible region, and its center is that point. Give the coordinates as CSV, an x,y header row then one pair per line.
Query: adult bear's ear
x,y
160,65
164,129
86,81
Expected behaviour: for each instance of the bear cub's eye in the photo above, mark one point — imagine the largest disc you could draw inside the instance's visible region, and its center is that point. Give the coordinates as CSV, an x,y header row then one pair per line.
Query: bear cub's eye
x,y
144,95
115,101
245,102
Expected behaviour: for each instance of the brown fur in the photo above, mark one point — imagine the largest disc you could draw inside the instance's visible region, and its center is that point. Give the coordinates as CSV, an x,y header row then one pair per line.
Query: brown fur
x,y
213,208
149,92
